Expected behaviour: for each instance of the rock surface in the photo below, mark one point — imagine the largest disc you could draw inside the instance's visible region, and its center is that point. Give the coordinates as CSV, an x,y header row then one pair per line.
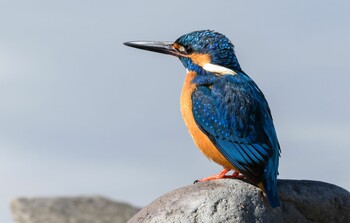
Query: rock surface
x,y
71,210
231,200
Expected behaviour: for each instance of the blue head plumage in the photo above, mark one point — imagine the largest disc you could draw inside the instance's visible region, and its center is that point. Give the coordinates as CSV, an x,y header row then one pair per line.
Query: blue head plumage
x,y
207,42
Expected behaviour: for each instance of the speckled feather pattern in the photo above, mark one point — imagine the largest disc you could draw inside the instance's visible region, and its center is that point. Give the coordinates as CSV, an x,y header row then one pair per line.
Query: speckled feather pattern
x,y
231,116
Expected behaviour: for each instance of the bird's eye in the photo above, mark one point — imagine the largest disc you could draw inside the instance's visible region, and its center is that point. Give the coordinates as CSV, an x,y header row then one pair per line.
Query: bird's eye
x,y
186,49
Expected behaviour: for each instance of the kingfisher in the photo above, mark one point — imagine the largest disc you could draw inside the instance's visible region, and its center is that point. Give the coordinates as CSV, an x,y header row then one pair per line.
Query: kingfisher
x,y
226,113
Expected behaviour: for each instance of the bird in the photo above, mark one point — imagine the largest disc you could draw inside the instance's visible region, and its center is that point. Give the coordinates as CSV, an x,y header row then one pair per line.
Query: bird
x,y
225,111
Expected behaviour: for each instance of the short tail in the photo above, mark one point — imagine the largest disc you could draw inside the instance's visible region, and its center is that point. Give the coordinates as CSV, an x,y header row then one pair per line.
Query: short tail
x,y
271,193
269,184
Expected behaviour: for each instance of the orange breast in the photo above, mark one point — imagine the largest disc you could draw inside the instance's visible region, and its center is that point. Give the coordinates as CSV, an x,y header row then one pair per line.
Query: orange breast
x,y
200,139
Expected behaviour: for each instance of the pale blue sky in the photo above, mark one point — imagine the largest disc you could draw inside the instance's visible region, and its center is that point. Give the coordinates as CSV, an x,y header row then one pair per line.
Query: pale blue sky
x,y
82,114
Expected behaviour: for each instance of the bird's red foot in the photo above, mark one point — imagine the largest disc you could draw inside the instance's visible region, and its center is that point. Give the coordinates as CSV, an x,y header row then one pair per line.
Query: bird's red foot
x,y
221,175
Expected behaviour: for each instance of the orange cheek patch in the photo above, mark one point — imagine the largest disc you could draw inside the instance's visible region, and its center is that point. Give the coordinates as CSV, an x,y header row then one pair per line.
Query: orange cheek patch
x,y
200,59
176,46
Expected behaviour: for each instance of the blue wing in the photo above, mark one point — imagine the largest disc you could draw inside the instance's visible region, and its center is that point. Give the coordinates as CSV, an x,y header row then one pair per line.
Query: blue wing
x,y
234,114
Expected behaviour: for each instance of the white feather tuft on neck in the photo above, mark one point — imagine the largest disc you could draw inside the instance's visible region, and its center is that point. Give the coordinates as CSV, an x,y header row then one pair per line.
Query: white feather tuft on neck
x,y
217,69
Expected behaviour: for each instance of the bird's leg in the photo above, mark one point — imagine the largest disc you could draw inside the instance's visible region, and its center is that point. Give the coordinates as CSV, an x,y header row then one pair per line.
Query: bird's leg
x,y
221,175
236,175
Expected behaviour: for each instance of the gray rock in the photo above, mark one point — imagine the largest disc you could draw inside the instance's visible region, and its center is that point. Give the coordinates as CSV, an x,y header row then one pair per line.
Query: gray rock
x,y
71,210
229,200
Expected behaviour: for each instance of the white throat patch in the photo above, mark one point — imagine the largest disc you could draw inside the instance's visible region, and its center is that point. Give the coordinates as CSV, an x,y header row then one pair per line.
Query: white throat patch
x,y
217,69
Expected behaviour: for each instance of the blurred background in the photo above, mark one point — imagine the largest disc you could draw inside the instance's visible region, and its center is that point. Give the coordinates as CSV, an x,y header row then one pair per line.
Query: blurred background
x,y
82,114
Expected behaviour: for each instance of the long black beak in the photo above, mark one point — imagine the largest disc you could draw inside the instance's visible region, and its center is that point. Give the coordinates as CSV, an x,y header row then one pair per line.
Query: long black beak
x,y
155,46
